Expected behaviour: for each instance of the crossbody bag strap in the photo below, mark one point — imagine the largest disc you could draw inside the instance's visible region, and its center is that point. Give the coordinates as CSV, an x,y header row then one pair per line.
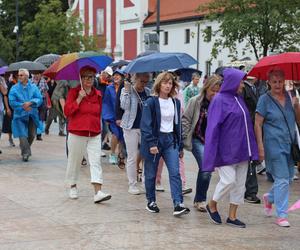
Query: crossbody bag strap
x,y
283,115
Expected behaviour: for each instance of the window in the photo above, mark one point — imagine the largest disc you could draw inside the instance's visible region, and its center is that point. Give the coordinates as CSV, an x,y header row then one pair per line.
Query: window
x,y
187,36
166,38
100,21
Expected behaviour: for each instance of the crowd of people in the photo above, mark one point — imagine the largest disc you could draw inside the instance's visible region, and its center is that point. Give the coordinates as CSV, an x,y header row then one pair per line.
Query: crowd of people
x,y
231,124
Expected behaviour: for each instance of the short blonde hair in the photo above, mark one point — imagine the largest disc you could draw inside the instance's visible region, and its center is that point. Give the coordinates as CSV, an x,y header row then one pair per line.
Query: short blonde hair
x,y
163,77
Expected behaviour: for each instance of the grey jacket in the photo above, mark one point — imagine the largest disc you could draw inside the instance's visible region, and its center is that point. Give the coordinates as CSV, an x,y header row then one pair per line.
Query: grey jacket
x,y
129,103
190,118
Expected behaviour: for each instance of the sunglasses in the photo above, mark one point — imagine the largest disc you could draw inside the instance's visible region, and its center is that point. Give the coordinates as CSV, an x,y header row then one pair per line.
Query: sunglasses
x,y
88,78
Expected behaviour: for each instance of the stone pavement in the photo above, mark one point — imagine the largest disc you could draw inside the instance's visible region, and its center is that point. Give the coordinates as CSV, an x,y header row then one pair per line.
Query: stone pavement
x,y
35,212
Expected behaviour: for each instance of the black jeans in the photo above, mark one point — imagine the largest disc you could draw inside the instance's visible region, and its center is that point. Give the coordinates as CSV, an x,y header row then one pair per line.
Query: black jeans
x,y
251,182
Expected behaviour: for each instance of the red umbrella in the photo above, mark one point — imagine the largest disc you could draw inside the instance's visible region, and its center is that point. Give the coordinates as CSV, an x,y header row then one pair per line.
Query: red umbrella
x,y
289,62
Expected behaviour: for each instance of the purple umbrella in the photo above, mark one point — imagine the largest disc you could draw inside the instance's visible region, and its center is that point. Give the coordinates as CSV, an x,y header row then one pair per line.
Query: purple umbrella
x,y
3,70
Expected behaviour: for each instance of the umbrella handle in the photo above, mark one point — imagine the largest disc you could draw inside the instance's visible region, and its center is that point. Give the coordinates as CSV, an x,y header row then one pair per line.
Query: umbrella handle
x,y
80,81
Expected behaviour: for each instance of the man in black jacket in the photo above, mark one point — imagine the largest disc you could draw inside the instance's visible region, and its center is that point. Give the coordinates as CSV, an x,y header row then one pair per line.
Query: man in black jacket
x,y
251,93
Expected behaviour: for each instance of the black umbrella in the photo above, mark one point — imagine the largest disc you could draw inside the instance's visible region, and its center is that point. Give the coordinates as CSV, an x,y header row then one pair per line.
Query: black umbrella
x,y
2,62
33,67
186,73
119,64
48,59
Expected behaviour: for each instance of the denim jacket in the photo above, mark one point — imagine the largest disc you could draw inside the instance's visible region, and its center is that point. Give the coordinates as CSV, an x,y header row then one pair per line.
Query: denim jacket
x,y
150,125
129,103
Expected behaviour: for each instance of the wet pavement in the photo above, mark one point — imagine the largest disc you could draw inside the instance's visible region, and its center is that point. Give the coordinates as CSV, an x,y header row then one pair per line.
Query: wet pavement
x,y
35,212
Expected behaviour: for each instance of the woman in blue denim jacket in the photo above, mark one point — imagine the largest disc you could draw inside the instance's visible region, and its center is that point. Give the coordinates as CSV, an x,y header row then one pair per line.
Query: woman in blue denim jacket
x,y
161,137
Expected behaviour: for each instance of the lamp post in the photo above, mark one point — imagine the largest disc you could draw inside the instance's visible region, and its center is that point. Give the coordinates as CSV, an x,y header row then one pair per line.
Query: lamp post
x,y
16,30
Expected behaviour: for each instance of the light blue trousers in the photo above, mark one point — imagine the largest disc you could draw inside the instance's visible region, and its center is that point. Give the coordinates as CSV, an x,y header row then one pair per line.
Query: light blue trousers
x,y
279,195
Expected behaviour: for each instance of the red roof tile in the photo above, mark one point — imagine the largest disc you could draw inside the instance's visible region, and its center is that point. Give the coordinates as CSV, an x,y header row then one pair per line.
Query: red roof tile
x,y
171,10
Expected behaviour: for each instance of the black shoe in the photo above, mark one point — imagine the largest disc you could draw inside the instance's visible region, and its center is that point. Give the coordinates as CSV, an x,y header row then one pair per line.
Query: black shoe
x,y
235,223
105,146
214,216
152,207
25,158
47,131
186,191
39,138
180,210
252,199
61,134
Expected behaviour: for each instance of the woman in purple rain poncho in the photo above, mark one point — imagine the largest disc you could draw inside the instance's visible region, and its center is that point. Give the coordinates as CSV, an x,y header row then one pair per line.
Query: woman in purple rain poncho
x,y
229,145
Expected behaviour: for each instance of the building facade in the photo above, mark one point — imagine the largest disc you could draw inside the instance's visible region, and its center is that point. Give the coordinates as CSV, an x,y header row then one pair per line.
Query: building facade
x,y
121,25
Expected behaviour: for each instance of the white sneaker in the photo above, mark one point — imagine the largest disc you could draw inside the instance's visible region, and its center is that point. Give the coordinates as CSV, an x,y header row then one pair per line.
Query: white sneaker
x,y
113,159
100,196
201,206
103,154
159,188
142,189
295,178
73,193
133,190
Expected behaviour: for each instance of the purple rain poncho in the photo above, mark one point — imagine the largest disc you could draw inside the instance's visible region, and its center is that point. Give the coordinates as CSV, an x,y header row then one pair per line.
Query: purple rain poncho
x,y
226,140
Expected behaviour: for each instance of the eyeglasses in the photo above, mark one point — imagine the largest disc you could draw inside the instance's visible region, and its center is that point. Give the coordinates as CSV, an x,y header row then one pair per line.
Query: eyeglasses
x,y
20,75
88,78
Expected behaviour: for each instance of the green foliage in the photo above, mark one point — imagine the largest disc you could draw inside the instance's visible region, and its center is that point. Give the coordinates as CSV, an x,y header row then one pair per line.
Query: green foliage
x,y
52,31
45,28
266,25
6,52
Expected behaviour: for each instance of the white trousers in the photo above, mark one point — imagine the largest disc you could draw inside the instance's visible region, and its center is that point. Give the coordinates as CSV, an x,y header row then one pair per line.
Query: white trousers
x,y
77,146
232,182
132,139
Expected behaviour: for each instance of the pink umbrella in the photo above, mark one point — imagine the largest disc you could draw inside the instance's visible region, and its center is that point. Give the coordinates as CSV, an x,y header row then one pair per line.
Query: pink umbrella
x,y
295,206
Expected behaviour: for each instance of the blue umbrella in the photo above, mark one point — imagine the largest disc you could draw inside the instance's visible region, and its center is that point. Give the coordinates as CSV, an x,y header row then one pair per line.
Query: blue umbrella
x,y
186,73
160,61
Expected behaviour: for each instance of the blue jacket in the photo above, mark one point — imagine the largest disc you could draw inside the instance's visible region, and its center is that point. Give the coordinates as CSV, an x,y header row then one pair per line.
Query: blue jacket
x,y
18,95
150,126
109,104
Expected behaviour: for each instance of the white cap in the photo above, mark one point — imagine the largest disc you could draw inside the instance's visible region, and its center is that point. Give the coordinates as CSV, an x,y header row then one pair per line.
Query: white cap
x,y
108,70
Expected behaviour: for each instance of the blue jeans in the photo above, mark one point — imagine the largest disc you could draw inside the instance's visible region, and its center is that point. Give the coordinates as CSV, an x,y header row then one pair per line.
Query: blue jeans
x,y
279,194
203,178
170,154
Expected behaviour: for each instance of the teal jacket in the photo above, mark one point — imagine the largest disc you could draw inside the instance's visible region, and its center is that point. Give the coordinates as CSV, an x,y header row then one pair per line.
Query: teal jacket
x,y
18,95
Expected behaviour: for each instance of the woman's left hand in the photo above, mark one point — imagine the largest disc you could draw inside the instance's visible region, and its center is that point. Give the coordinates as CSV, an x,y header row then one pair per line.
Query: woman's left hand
x,y
295,101
181,154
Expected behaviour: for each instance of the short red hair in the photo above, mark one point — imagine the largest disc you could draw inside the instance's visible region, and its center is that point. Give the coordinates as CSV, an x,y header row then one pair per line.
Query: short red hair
x,y
88,68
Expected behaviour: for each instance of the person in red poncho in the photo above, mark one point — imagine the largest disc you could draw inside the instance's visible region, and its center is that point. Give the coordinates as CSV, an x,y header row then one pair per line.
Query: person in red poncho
x,y
83,112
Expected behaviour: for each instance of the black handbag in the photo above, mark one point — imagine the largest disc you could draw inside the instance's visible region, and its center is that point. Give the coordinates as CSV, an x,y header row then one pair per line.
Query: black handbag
x,y
295,151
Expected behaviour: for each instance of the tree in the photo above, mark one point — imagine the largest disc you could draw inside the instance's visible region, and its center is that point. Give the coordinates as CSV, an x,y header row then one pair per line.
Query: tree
x,y
266,25
6,51
52,31
27,12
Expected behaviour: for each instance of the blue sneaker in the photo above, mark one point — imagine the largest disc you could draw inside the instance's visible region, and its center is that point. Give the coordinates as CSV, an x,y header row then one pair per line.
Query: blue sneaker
x,y
214,216
235,223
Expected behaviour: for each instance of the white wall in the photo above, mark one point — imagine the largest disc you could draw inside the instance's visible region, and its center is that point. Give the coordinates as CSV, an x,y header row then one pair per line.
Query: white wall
x,y
131,18
176,43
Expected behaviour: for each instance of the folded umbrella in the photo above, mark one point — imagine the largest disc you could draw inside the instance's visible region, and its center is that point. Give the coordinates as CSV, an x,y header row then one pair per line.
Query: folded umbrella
x,y
48,59
33,67
68,66
289,62
160,61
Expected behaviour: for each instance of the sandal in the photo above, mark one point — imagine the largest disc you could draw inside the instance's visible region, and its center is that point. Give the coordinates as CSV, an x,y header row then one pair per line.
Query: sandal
x,y
121,162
